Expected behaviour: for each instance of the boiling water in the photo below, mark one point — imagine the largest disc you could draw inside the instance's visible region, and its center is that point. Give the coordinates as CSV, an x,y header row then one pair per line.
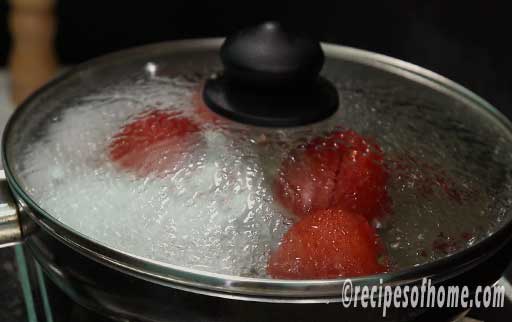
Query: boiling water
x,y
216,212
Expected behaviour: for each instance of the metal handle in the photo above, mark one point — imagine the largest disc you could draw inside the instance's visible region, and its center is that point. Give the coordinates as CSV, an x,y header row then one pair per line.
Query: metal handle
x,y
10,230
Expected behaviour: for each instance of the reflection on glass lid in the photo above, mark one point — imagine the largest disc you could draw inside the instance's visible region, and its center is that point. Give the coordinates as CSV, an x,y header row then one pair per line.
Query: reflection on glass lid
x,y
400,175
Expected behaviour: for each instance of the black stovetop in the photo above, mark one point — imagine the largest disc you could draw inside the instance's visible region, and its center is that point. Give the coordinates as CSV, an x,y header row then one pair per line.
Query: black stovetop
x,y
12,307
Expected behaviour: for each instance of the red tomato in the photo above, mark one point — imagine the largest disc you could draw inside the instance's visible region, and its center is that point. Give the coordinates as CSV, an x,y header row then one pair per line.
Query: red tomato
x,y
307,178
154,142
328,244
342,170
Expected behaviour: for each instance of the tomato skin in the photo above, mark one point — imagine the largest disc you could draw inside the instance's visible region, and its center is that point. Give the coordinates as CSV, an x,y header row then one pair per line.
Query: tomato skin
x,y
328,244
154,142
361,184
307,179
341,170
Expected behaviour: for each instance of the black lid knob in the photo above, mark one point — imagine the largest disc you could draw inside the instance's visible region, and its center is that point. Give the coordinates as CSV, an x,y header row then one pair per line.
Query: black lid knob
x,y
270,78
268,56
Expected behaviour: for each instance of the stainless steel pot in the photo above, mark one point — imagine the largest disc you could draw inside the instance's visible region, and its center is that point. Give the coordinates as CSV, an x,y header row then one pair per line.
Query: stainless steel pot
x,y
117,283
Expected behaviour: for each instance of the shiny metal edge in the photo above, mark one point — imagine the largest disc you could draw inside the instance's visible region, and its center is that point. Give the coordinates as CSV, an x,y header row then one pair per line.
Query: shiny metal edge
x,y
10,230
259,289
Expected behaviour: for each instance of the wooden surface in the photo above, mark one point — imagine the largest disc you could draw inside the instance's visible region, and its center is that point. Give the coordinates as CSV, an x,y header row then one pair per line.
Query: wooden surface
x,y
32,60
6,105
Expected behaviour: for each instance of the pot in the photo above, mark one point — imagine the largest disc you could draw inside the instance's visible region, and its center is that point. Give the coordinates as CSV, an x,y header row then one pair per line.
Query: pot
x,y
124,284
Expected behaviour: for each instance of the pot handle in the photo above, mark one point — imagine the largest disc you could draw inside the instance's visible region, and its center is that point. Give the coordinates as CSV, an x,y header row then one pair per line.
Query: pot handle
x,y
10,230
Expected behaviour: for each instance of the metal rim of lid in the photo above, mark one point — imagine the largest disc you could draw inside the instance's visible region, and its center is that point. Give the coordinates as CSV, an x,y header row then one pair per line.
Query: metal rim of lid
x,y
247,288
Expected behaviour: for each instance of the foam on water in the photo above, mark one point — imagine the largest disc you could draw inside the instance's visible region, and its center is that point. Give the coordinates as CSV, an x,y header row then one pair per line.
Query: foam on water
x,y
216,211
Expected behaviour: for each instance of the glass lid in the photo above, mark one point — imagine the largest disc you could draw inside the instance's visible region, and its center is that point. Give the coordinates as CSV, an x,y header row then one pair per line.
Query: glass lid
x,y
405,171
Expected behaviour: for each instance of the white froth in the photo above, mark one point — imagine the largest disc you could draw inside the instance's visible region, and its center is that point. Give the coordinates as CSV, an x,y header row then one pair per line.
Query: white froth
x,y
215,214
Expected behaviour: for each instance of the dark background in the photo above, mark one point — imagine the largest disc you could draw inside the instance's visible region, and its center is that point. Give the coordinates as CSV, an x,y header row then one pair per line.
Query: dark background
x,y
465,41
